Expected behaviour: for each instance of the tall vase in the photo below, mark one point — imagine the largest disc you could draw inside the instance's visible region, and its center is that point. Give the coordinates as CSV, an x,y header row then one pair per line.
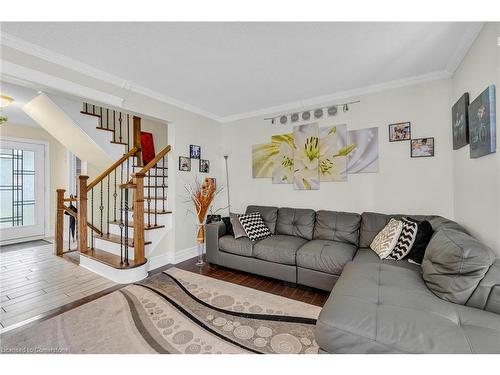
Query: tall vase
x,y
201,244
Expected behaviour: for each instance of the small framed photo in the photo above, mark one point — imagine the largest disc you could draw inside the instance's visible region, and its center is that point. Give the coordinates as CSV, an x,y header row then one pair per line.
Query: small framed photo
x,y
422,147
194,152
204,166
400,131
184,164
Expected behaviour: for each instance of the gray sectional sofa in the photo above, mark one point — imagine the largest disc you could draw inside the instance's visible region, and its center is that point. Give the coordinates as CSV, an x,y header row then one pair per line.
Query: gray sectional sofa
x,y
449,304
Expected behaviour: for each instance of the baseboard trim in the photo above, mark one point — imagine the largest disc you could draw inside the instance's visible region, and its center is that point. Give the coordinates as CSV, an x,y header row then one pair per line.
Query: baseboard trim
x,y
185,254
159,261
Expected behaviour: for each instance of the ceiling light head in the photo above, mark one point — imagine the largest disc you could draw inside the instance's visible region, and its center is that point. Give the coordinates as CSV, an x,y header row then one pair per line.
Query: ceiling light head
x,y
345,108
283,119
5,101
332,111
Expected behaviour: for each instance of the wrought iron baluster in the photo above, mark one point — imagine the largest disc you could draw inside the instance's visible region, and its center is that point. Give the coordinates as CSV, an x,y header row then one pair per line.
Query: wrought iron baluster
x,y
21,181
128,132
156,194
120,122
107,215
101,207
114,196
114,126
69,234
93,109
107,118
100,117
85,107
163,183
122,224
92,219
126,227
149,198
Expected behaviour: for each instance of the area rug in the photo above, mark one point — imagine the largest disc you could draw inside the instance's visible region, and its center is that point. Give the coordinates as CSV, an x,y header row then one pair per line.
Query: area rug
x,y
175,312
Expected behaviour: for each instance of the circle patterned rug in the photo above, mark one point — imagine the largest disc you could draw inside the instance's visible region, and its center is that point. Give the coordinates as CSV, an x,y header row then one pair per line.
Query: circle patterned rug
x,y
176,312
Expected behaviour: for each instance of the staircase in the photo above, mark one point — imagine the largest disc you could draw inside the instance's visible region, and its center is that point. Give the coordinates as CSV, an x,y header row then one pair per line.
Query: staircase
x,y
123,211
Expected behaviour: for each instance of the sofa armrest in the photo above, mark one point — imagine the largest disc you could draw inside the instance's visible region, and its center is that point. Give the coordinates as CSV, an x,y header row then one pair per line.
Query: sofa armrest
x,y
213,232
493,301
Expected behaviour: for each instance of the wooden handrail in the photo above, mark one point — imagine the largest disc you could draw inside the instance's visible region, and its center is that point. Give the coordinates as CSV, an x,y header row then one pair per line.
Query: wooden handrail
x,y
75,215
113,166
156,159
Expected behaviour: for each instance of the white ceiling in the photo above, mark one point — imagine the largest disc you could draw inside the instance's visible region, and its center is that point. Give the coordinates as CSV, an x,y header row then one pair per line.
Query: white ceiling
x,y
21,96
230,70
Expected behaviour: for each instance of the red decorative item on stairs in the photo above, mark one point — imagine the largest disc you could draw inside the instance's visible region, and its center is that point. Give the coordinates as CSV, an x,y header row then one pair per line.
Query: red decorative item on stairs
x,y
148,147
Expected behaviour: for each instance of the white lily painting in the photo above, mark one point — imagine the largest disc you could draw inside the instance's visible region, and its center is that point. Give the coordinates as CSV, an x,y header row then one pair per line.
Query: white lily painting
x,y
306,157
333,150
283,160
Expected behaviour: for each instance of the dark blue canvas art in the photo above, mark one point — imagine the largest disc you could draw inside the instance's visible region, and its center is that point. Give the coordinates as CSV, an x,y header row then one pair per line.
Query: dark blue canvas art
x,y
482,124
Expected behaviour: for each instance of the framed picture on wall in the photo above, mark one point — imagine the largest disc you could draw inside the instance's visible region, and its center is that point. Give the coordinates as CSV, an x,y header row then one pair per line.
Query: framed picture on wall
x,y
184,164
422,147
204,166
460,122
400,131
482,124
194,152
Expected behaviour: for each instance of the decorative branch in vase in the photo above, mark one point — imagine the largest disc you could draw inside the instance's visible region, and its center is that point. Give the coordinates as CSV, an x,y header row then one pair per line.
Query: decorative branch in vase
x,y
202,196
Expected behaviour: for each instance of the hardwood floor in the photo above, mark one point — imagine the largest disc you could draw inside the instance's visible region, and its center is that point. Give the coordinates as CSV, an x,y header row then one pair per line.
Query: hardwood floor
x,y
265,284
34,281
36,285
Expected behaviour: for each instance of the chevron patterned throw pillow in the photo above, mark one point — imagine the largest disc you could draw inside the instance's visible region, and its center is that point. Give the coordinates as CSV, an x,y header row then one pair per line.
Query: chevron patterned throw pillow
x,y
387,238
405,241
254,226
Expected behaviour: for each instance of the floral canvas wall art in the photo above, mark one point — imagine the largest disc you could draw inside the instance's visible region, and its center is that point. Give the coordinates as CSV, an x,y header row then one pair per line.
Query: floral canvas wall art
x,y
283,160
333,150
262,160
306,157
364,156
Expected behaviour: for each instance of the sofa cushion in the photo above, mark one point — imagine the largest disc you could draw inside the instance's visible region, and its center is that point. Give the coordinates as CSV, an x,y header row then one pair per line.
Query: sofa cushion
x,y
278,249
296,222
238,229
372,223
367,255
386,240
337,226
254,226
269,215
454,264
325,256
487,295
424,235
380,308
239,246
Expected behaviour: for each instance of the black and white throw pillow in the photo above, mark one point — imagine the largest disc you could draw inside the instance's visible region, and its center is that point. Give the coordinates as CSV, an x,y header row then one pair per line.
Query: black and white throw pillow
x,y
405,240
424,235
254,226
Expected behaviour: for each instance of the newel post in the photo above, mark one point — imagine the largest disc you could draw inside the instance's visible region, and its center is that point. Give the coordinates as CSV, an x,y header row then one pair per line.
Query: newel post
x,y
82,213
137,139
138,180
59,239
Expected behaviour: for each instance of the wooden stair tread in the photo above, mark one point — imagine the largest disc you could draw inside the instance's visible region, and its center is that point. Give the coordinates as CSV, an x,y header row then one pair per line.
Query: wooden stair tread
x,y
155,186
90,114
118,143
159,212
116,239
101,128
109,259
156,198
131,225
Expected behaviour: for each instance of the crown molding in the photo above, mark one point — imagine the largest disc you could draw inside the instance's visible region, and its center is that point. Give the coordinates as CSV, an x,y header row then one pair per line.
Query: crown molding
x,y
470,35
17,74
330,99
90,71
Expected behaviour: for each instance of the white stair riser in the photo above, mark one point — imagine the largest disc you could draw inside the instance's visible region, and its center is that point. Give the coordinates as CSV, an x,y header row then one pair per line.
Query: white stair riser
x,y
160,218
115,229
112,247
125,276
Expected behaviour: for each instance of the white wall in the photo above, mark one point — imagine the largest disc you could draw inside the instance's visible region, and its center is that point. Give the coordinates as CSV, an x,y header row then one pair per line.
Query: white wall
x,y
403,185
476,182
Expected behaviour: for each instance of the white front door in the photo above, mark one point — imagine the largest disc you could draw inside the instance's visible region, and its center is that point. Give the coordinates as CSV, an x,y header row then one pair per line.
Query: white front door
x,y
22,193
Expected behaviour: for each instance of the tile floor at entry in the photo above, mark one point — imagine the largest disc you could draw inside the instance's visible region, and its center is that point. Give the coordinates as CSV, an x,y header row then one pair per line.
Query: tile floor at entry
x,y
35,281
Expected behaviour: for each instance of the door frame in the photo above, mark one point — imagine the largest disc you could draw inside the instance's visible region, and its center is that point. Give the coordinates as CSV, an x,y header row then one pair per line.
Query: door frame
x,y
46,187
